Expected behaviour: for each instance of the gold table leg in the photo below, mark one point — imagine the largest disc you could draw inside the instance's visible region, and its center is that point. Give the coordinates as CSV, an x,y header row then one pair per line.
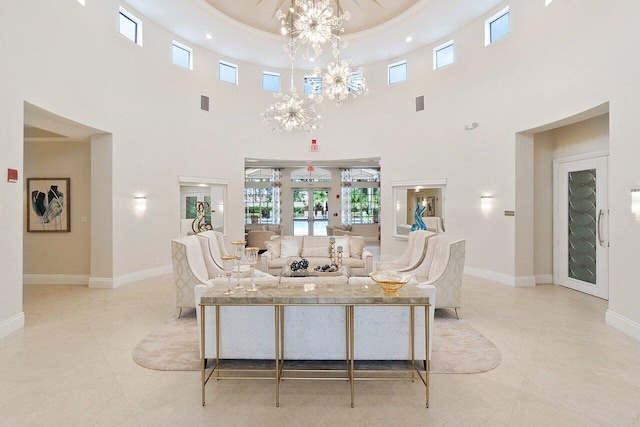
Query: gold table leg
x,y
426,351
203,361
351,351
412,328
277,342
217,309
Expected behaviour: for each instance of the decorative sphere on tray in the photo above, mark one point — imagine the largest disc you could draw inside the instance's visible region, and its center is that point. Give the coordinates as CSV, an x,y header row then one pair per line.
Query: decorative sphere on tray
x,y
327,268
390,281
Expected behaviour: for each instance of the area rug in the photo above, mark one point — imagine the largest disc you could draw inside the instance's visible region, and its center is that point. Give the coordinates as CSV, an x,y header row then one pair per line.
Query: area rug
x,y
457,347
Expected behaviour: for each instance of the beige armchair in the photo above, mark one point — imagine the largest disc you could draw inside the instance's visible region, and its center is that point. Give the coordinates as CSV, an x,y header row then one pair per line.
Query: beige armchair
x,y
213,249
413,255
258,238
189,270
434,224
446,270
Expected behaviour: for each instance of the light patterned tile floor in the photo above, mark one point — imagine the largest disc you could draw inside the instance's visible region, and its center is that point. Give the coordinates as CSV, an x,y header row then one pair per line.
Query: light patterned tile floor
x,y
561,365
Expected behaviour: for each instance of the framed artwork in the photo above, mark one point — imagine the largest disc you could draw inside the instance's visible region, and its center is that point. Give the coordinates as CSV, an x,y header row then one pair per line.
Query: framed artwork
x,y
431,206
48,205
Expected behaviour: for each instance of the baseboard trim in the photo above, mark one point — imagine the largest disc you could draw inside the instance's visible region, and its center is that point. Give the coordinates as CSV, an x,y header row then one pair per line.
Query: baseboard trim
x,y
520,281
525,281
544,278
490,275
111,283
623,324
55,279
11,325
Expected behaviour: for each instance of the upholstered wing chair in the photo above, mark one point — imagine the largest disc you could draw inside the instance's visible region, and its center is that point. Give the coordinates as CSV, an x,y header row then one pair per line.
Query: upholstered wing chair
x,y
189,270
413,255
446,270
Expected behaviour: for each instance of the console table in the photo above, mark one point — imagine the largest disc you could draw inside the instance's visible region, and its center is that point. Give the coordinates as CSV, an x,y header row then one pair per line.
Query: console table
x,y
345,295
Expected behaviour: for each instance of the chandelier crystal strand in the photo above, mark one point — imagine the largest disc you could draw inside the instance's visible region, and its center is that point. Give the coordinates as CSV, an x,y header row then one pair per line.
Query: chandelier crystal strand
x,y
290,112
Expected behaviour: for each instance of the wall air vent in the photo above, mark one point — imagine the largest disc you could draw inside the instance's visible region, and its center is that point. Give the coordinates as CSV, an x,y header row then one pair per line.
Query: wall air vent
x,y
204,103
419,103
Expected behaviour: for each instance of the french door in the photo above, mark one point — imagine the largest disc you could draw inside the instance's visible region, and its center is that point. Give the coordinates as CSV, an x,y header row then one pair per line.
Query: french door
x,y
310,211
581,218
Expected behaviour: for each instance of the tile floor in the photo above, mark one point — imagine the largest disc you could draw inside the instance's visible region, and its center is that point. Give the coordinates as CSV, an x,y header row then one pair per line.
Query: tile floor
x,y
561,366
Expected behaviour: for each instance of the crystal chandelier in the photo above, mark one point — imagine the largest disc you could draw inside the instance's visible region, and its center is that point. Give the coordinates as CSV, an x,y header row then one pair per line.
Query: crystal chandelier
x,y
341,79
292,112
312,23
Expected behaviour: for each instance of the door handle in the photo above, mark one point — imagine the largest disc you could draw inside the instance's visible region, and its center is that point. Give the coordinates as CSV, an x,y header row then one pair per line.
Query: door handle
x,y
598,230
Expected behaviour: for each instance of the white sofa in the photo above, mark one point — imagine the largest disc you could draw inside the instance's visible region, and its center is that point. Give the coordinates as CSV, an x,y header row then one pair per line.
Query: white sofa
x,y
315,333
316,250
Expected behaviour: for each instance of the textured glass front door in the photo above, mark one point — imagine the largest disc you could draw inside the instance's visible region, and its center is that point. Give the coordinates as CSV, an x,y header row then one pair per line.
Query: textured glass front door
x,y
581,206
581,261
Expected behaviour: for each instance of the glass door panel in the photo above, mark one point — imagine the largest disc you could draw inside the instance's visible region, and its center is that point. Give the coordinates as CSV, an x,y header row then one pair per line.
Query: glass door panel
x,y
581,218
310,213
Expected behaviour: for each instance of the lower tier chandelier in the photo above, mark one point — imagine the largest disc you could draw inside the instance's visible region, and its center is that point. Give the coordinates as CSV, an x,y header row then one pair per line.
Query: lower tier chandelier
x,y
290,112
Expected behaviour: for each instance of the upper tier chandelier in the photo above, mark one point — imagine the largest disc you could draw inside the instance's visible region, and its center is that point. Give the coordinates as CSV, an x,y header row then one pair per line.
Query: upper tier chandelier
x,y
310,24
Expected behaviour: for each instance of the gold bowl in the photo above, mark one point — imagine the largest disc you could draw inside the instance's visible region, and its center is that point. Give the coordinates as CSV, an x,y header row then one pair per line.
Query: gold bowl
x,y
390,281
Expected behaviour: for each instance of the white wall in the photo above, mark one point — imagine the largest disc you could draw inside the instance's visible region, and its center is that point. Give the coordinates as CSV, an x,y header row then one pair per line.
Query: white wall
x,y
54,254
553,64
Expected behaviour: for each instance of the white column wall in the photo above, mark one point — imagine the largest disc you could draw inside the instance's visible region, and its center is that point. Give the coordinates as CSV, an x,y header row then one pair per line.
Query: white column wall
x,y
558,60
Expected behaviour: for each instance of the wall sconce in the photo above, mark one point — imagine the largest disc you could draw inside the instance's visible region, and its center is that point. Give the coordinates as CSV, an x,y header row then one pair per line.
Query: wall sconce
x,y
485,202
141,203
635,202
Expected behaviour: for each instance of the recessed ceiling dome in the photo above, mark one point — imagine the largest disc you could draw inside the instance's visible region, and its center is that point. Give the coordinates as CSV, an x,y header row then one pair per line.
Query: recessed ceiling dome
x,y
260,14
246,30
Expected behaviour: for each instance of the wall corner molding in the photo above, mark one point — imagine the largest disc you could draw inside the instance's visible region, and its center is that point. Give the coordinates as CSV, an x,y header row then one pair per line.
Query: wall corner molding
x,y
544,278
11,324
623,324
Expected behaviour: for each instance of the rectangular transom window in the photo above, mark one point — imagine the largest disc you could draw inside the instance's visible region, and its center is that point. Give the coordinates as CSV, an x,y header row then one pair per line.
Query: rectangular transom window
x,y
443,55
312,85
228,72
130,26
397,72
357,82
270,81
182,55
497,26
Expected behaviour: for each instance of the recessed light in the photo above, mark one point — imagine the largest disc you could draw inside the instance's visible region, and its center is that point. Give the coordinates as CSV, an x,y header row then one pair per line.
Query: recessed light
x,y
409,39
209,36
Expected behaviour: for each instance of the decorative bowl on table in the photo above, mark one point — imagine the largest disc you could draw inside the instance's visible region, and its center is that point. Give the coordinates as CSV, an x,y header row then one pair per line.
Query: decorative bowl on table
x,y
390,281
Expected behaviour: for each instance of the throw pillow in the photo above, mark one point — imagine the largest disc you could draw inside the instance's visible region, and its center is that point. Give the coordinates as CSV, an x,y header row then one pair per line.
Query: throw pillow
x,y
273,246
356,246
344,242
289,247
315,252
